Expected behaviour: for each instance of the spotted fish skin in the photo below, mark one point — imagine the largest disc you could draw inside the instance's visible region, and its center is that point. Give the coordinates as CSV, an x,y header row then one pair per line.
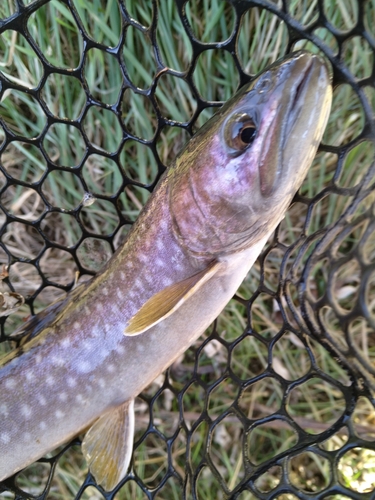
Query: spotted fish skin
x,y
215,204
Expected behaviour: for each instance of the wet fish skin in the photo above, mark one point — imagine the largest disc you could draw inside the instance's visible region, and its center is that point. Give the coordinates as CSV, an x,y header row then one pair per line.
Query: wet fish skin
x,y
212,212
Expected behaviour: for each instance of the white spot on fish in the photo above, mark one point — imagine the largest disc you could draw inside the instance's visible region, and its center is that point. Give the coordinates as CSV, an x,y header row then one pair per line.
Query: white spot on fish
x,y
87,311
79,398
177,266
176,258
159,263
149,279
120,295
26,436
26,411
42,426
160,244
143,258
96,332
122,275
42,400
87,344
111,368
4,437
167,281
84,366
114,309
71,382
105,291
138,284
101,383
4,410
140,347
10,383
58,361
104,351
38,358
77,325
59,414
30,376
121,349
63,396
65,342
50,380
129,264
99,306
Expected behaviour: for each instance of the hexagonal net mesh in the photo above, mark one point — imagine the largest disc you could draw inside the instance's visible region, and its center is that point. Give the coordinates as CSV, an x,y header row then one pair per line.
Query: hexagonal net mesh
x,y
276,400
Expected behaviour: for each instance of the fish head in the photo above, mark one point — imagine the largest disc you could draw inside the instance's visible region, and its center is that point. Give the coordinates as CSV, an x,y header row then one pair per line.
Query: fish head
x,y
234,180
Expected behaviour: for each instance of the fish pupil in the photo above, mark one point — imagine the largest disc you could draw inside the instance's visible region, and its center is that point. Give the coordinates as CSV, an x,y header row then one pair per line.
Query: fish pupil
x,y
247,134
239,132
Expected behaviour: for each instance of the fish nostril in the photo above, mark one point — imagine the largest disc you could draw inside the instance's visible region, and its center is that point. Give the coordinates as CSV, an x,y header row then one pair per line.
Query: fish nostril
x,y
264,85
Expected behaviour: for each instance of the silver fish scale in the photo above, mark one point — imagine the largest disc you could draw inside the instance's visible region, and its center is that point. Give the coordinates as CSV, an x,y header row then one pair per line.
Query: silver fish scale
x,y
317,281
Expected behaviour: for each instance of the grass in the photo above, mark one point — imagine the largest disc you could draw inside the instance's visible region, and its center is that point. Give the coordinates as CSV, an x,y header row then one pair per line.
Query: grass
x,y
315,404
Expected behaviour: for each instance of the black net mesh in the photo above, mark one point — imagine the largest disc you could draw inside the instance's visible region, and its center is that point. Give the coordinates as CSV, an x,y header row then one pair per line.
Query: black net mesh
x,y
276,400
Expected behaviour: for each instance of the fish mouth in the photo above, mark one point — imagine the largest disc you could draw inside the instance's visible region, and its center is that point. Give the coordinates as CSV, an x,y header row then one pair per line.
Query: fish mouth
x,y
300,90
297,80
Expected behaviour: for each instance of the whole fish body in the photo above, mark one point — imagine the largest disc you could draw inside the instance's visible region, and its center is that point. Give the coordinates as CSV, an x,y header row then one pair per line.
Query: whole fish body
x,y
87,357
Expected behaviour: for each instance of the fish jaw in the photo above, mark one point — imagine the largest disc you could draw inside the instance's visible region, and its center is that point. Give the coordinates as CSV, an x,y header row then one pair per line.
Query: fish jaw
x,y
223,200
309,106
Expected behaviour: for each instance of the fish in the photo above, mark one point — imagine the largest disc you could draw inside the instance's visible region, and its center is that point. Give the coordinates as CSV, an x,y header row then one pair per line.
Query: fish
x,y
84,359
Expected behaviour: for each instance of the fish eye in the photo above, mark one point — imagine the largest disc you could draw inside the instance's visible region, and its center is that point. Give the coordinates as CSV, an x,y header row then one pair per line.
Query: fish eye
x,y
239,132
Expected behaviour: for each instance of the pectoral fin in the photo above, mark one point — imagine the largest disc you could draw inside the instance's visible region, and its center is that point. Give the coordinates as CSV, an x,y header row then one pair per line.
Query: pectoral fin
x,y
167,301
108,445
